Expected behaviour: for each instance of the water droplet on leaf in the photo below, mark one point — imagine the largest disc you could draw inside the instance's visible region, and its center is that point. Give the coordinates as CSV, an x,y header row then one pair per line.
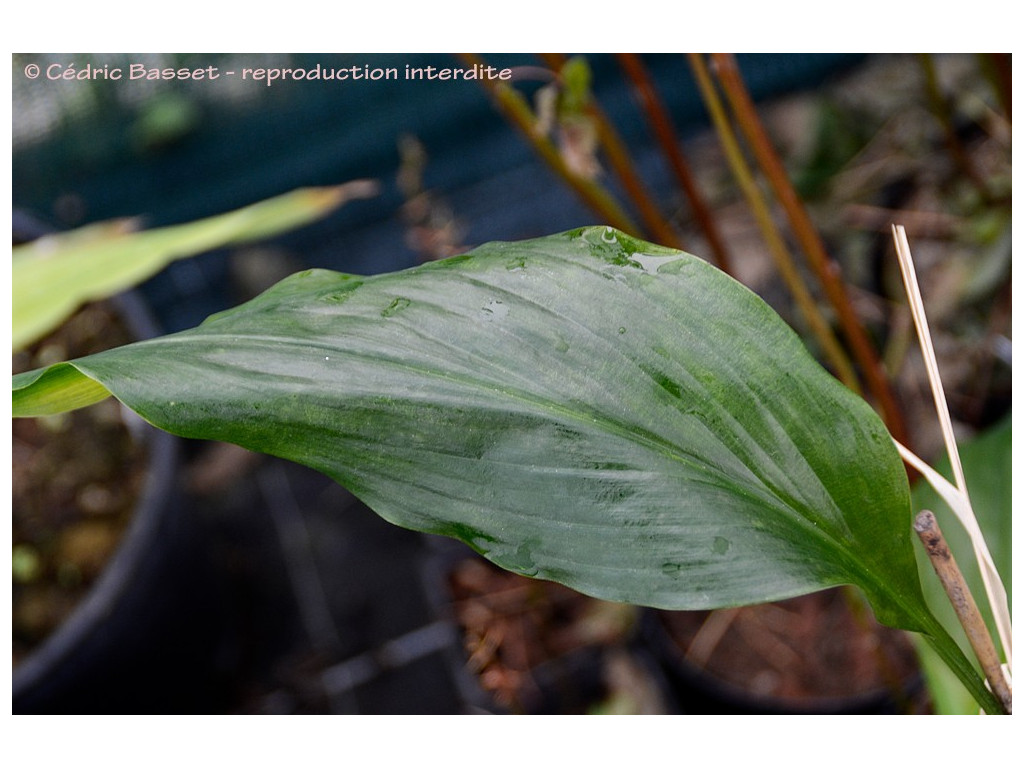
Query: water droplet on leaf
x,y
494,310
672,569
395,307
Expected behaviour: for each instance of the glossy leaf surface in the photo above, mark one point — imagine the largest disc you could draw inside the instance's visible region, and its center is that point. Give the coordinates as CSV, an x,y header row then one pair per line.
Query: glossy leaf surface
x,y
587,408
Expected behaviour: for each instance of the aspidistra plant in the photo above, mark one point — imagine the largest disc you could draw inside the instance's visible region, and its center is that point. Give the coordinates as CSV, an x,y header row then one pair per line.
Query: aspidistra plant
x,y
588,408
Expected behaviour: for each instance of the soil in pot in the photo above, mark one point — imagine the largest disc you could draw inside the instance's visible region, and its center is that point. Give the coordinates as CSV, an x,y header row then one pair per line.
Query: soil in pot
x,y
819,653
536,647
76,480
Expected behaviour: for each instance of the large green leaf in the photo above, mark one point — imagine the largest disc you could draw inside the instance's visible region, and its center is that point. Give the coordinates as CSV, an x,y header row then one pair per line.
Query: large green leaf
x,y
586,408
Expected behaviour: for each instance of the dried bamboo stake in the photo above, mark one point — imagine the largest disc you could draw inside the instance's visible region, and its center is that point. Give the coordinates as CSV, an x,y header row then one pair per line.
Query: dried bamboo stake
x,y
963,603
665,132
956,497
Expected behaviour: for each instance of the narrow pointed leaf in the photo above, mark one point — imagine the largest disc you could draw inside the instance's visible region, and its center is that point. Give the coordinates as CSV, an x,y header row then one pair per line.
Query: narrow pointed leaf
x,y
54,276
587,408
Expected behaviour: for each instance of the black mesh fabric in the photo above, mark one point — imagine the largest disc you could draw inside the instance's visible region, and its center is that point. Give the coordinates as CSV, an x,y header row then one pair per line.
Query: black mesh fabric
x,y
173,151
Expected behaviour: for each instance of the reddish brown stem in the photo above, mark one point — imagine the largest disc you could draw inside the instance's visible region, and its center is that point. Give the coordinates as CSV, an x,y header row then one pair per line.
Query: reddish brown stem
x,y
825,268
943,112
511,103
777,247
622,164
661,123
1001,66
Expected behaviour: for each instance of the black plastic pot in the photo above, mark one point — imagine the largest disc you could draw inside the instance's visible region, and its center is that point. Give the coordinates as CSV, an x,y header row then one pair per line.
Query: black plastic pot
x,y
133,642
699,690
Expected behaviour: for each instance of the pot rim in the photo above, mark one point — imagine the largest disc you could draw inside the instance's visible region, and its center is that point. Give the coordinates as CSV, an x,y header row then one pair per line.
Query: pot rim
x,y
744,700
87,617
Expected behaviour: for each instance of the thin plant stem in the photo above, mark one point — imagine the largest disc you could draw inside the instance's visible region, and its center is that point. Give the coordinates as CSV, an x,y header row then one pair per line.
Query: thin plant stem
x,y
665,132
999,68
963,603
806,234
518,112
958,498
711,632
787,269
621,162
943,113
